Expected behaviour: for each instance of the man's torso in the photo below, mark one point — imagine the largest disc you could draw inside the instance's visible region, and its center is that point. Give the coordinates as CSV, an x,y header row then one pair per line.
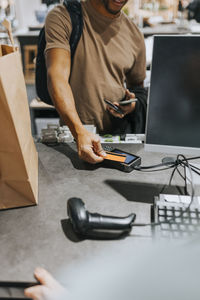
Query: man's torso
x,y
107,51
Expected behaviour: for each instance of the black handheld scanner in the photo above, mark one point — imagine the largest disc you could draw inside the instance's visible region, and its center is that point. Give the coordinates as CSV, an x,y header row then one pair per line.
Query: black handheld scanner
x,y
95,225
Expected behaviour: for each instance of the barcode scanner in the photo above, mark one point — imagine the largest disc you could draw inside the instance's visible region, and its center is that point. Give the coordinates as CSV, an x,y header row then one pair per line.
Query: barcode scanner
x,y
95,225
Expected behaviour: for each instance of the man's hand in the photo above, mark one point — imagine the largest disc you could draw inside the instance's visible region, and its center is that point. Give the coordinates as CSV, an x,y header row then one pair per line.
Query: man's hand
x,y
127,109
49,289
89,147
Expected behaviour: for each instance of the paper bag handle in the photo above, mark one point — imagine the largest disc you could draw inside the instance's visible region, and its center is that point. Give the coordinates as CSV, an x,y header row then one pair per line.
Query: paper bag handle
x,y
8,27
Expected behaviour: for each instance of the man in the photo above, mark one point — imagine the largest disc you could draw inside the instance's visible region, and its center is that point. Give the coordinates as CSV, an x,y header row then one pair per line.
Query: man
x,y
110,52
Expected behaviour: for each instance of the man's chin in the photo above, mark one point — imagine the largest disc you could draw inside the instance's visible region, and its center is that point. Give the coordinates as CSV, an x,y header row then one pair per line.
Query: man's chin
x,y
114,12
116,5
111,8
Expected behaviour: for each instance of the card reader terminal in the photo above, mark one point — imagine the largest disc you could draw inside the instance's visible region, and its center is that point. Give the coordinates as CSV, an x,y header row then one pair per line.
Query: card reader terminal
x,y
118,161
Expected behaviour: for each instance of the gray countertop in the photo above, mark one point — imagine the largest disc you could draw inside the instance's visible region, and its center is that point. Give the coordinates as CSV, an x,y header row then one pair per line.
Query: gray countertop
x,y
39,235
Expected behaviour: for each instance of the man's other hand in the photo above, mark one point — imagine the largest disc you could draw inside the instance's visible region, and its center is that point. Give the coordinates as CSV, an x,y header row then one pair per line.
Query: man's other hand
x,y
49,289
89,147
126,109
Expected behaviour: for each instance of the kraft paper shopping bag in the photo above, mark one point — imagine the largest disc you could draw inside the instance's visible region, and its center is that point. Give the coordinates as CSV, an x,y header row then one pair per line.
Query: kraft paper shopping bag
x,y
18,155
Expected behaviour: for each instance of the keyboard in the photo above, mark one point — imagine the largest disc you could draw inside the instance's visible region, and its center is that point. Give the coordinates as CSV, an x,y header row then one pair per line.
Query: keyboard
x,y
178,221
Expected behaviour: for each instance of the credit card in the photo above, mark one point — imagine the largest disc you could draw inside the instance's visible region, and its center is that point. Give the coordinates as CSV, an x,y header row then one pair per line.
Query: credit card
x,y
115,156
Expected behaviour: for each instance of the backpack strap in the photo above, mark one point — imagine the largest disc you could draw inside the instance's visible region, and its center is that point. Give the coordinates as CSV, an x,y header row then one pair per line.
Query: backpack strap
x,y
75,11
76,15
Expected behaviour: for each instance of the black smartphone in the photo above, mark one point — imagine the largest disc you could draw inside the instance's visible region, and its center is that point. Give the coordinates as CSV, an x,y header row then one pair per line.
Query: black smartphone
x,y
114,107
14,290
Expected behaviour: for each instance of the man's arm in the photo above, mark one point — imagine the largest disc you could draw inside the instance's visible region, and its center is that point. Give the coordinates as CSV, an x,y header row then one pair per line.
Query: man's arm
x,y
138,116
58,62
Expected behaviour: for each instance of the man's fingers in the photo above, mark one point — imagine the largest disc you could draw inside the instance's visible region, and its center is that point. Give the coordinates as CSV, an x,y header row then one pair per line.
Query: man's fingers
x,y
129,95
114,113
89,148
88,155
129,108
44,277
95,158
91,158
35,293
98,148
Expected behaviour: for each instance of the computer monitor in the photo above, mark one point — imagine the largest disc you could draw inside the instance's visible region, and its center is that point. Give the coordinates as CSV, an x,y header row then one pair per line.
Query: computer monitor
x,y
173,116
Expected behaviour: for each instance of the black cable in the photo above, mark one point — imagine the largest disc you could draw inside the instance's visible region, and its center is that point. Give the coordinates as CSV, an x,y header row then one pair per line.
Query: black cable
x,y
172,164
148,171
193,158
140,168
184,163
172,175
166,185
181,175
184,178
190,180
194,169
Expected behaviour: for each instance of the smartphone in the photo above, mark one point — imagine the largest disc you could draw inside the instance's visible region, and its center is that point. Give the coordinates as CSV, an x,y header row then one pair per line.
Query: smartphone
x,y
14,290
126,102
128,165
114,107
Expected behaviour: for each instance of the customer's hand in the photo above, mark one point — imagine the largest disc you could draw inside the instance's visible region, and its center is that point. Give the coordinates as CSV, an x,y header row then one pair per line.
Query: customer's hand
x,y
49,289
89,147
126,109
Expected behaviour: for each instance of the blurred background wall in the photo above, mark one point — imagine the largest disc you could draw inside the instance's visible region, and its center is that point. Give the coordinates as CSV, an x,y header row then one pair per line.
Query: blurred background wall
x,y
25,11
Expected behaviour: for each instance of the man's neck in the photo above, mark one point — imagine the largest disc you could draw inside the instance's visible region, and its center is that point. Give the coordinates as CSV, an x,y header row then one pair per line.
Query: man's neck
x,y
99,6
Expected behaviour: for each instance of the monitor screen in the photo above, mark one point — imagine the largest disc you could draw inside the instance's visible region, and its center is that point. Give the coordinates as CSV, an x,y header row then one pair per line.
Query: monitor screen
x,y
173,118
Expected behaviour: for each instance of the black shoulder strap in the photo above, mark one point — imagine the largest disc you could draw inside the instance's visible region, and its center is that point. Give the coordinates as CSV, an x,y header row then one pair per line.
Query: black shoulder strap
x,y
75,11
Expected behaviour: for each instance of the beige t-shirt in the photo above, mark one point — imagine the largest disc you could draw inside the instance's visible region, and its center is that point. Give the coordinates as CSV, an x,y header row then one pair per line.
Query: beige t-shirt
x,y
109,53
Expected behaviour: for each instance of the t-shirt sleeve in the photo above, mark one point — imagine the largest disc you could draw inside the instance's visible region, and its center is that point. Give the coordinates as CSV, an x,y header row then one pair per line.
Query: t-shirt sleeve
x,y
58,28
137,74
